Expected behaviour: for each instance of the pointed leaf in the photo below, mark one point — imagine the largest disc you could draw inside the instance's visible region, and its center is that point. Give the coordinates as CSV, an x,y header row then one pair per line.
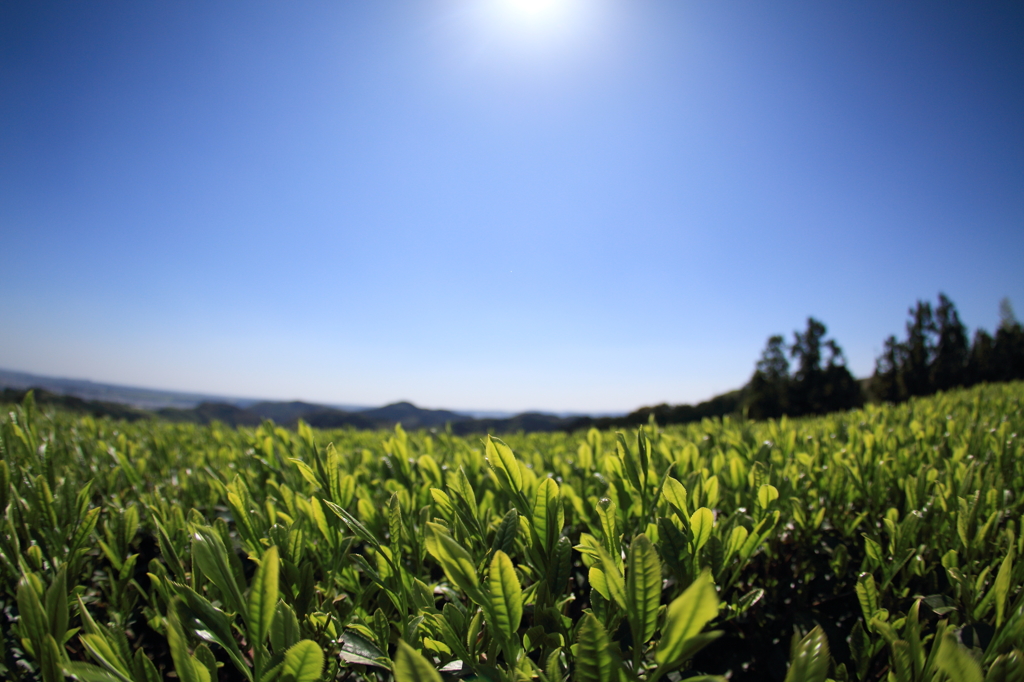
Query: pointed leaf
x,y
34,623
1007,668
809,658
506,596
544,502
212,559
613,579
1001,588
57,605
304,662
187,668
103,651
87,672
956,661
218,626
594,659
458,565
867,595
675,493
145,671
502,459
701,524
410,666
685,618
263,597
643,588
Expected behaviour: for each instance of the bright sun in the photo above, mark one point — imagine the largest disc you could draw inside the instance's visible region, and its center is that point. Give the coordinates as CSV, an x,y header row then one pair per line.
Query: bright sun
x,y
532,6
533,9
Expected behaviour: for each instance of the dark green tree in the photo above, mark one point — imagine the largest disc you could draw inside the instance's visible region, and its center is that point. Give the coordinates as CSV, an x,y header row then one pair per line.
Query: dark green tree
x,y
839,390
768,390
887,382
949,364
806,389
819,384
919,350
1008,349
981,365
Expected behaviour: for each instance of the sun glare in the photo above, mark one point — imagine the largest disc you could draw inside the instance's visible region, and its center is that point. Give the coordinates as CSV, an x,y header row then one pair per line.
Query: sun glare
x,y
531,7
533,10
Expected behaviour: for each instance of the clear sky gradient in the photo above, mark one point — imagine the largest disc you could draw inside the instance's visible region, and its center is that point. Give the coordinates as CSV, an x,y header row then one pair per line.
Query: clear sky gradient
x,y
586,206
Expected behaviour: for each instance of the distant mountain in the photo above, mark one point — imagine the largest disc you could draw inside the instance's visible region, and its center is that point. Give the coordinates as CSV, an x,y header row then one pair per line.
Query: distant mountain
x,y
96,408
528,422
413,417
205,413
145,398
123,402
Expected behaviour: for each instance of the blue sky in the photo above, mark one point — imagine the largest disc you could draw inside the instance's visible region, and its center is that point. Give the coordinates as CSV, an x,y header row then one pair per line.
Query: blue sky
x,y
470,204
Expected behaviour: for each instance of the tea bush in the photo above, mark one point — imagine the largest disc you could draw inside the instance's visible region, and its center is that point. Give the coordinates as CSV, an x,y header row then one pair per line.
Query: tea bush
x,y
877,544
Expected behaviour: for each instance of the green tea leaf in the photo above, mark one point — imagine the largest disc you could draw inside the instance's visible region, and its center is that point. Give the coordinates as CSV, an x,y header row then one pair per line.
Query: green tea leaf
x,y
354,524
456,562
599,582
737,537
613,579
102,650
34,623
506,596
1001,588
87,672
594,659
410,666
211,556
809,658
504,462
685,618
643,588
359,650
145,671
1007,668
187,668
956,661
867,595
57,605
284,628
263,597
629,462
767,494
542,521
701,524
303,662
218,626
50,660
675,493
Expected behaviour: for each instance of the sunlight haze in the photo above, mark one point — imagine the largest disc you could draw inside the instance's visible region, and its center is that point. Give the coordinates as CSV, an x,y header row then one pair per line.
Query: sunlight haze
x,y
513,204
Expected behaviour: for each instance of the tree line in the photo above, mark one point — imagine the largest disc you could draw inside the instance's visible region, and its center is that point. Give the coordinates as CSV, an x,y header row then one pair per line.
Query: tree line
x,y
935,356
808,375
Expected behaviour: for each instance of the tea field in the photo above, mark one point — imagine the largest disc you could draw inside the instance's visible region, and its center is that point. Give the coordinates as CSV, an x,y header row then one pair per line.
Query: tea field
x,y
878,544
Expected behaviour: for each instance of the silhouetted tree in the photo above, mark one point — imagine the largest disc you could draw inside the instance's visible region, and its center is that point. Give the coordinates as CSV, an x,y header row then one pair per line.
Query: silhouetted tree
x,y
981,365
1008,349
839,390
806,350
949,366
935,355
887,384
768,391
919,349
813,388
